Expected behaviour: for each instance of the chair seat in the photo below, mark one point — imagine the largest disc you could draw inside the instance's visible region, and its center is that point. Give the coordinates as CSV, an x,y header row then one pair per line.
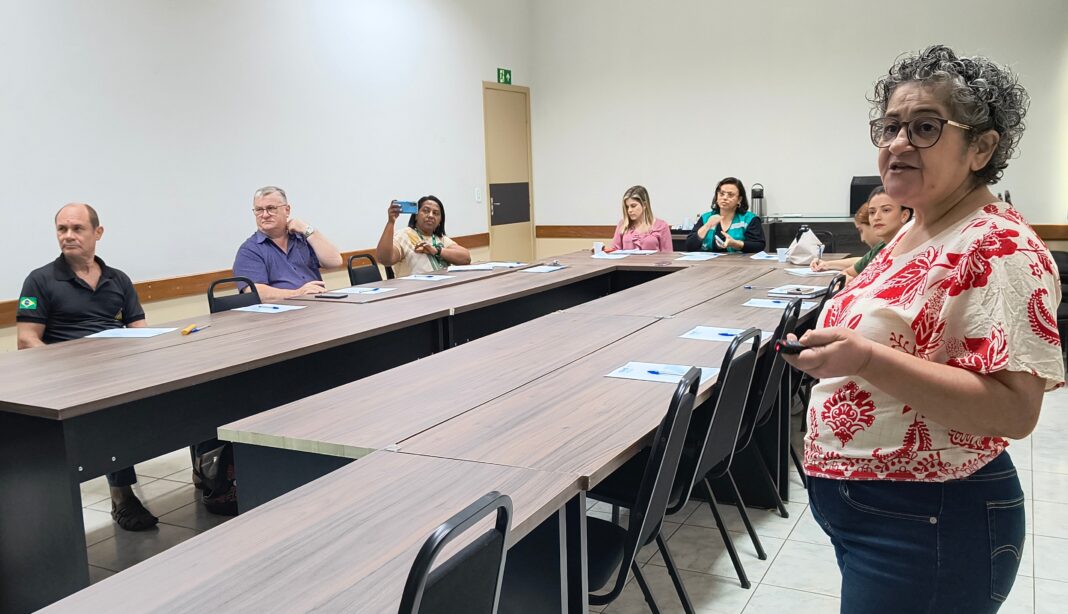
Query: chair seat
x,y
604,545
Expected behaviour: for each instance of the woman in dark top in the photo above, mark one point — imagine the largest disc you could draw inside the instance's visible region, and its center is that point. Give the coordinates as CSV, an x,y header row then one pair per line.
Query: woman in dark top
x,y
729,226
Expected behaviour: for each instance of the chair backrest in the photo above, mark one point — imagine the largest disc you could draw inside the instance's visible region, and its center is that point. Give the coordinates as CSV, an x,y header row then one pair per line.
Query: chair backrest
x,y
470,581
364,274
1061,260
827,238
714,426
246,295
768,373
835,286
389,273
650,505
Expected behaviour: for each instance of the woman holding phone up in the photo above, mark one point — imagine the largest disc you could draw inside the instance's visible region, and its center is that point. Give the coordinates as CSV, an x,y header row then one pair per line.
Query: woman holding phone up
x,y
729,226
422,247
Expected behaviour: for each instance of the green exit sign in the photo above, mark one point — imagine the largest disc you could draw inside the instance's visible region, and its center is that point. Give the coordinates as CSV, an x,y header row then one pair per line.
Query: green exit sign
x,y
504,76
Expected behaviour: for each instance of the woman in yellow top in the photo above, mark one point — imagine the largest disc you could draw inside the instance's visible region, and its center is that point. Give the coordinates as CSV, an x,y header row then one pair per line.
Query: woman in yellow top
x,y
422,247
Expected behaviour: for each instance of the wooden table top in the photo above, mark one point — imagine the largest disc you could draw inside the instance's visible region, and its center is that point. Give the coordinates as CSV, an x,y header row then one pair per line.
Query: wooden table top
x,y
376,412
344,542
64,381
405,287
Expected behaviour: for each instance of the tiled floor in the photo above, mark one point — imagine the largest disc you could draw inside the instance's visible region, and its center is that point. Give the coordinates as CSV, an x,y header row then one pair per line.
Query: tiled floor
x,y
799,576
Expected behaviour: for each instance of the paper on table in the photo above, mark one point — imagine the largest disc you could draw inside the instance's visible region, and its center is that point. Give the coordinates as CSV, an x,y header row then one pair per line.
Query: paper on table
x,y
130,333
612,256
544,268
471,267
776,303
363,290
506,265
657,372
264,308
715,333
635,252
427,277
797,291
697,256
810,272
764,256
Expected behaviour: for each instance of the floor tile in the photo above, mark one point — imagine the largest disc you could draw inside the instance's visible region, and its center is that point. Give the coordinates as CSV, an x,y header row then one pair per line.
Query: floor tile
x,y
1047,450
806,567
194,516
768,599
1026,482
1050,596
1027,558
95,490
808,530
97,574
1050,560
708,594
647,552
1049,486
128,548
1021,599
701,550
1021,454
159,496
765,522
1050,519
98,526
165,465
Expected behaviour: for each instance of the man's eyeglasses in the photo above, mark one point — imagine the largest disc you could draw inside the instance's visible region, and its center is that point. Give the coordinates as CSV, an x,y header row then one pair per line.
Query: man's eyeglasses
x,y
922,132
270,209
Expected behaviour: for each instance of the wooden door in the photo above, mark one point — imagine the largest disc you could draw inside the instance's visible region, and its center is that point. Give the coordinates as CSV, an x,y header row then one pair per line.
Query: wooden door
x,y
509,194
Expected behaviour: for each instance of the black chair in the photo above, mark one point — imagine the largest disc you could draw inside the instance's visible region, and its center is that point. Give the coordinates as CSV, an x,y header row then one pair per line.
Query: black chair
x,y
710,443
366,273
246,295
611,548
389,273
470,581
827,238
770,369
1061,260
803,386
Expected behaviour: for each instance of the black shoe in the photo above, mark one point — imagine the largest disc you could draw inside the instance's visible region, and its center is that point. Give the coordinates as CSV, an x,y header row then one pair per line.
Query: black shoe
x,y
132,516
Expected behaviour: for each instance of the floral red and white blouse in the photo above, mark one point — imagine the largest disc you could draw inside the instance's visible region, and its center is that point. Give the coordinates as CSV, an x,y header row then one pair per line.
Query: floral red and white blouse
x,y
981,296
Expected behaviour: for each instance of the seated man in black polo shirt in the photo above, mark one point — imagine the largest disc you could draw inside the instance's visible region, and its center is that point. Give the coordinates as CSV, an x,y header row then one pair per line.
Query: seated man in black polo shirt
x,y
77,295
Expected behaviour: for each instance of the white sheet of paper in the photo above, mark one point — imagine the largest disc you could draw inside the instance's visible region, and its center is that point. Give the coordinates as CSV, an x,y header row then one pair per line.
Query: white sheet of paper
x,y
363,290
635,252
764,256
544,268
657,372
797,291
267,308
715,333
774,303
506,265
427,277
698,256
130,333
471,267
806,272
612,256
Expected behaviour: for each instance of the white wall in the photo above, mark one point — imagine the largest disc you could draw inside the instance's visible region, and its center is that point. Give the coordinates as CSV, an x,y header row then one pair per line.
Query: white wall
x,y
677,95
167,114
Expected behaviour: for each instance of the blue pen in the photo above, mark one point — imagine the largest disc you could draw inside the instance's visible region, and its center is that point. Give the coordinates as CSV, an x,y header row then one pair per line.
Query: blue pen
x,y
726,334
655,372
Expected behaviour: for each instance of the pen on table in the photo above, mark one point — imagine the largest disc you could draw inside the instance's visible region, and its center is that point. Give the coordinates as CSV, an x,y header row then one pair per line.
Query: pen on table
x,y
193,328
655,372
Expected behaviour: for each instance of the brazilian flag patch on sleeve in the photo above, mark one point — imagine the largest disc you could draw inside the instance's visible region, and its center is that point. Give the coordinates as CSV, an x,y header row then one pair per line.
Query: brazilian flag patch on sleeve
x,y
28,303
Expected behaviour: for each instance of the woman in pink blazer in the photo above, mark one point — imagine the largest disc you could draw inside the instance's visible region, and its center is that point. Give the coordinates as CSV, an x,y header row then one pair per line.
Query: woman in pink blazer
x,y
639,229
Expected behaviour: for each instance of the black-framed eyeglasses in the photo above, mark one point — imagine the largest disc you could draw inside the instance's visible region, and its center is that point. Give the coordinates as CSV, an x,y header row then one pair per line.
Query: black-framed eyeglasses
x,y
922,132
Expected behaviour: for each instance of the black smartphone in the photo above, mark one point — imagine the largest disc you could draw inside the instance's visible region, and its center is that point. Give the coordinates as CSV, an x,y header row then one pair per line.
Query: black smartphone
x,y
786,346
331,295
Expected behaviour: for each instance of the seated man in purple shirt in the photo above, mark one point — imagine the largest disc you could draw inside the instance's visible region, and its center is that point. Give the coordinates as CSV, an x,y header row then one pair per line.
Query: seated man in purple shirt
x,y
284,255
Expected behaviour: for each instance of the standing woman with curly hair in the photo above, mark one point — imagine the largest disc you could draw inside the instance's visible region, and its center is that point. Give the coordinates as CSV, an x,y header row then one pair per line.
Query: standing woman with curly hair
x,y
935,356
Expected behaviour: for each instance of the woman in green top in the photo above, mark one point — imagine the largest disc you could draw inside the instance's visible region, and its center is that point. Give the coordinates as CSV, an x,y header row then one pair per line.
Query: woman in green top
x,y
885,218
729,226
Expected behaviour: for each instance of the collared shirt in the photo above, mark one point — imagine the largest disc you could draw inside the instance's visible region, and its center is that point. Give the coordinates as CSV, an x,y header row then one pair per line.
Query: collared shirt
x,y
413,262
54,296
262,261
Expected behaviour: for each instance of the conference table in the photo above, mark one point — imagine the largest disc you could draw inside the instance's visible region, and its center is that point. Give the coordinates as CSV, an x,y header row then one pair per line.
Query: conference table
x,y
168,391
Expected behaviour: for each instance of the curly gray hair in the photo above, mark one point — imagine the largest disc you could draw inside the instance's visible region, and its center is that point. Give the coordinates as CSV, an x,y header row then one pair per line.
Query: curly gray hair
x,y
980,93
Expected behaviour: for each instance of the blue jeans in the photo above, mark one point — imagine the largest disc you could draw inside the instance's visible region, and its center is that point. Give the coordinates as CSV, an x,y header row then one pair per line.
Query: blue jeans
x,y
925,546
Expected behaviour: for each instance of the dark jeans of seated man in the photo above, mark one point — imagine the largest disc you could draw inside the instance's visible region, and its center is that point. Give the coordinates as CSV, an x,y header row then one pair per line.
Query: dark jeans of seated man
x,y
219,491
